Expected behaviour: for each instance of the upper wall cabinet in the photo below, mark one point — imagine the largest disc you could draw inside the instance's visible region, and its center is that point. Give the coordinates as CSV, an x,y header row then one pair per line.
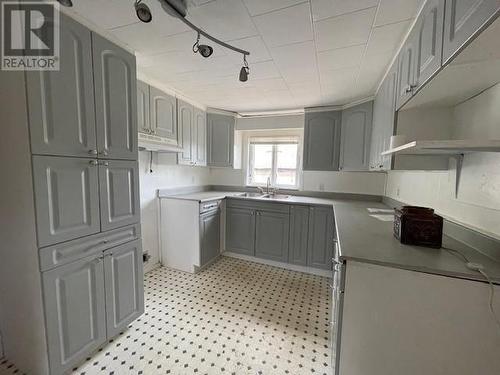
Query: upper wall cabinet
x,y
115,100
200,137
185,117
322,141
429,45
463,19
406,71
163,114
143,111
356,137
61,103
220,142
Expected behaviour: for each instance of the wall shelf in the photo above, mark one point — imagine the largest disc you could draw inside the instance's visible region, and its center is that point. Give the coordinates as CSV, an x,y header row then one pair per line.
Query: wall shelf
x,y
449,147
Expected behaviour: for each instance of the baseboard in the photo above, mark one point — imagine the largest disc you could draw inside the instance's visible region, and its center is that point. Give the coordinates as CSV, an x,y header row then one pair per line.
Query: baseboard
x,y
291,267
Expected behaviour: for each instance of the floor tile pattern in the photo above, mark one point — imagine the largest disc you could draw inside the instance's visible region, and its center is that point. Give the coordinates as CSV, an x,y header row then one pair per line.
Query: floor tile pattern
x,y
235,317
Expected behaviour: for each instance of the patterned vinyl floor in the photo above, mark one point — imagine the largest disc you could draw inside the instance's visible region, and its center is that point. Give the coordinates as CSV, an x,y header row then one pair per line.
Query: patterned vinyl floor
x,y
235,317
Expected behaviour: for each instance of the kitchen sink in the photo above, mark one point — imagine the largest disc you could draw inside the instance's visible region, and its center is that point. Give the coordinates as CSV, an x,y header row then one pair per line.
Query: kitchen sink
x,y
275,196
252,195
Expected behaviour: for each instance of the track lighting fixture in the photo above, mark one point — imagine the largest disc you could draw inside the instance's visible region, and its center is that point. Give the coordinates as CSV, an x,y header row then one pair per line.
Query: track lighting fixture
x,y
65,3
245,70
143,12
202,49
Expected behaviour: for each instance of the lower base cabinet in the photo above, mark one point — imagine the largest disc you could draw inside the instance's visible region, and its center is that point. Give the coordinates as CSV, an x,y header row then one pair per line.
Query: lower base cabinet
x,y
240,230
321,237
271,235
209,237
299,232
90,301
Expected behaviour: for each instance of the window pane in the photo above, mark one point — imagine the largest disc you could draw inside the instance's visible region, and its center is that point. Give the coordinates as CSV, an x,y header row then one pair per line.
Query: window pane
x,y
286,168
262,163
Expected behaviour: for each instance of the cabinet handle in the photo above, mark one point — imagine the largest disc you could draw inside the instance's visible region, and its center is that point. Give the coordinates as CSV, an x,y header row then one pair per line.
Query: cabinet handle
x,y
92,152
105,163
93,162
104,153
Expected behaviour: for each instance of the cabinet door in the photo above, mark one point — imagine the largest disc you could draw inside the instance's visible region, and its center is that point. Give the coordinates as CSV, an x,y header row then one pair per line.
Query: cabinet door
x,y
74,302
200,137
271,235
321,235
185,114
66,198
163,114
220,140
356,137
61,103
463,20
299,232
322,141
115,100
406,72
119,193
124,281
240,231
143,111
429,42
210,237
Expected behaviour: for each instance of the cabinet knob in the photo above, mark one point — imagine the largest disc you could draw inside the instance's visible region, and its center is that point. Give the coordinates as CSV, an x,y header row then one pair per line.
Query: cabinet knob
x,y
93,162
92,152
104,153
105,163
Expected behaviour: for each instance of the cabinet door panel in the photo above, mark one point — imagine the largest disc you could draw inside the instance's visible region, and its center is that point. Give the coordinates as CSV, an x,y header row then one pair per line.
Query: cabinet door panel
x,y
322,141
240,231
271,235
119,193
463,19
429,45
185,113
143,111
66,198
299,232
123,272
115,99
163,114
356,137
210,237
321,235
61,103
200,137
220,140
406,72
74,302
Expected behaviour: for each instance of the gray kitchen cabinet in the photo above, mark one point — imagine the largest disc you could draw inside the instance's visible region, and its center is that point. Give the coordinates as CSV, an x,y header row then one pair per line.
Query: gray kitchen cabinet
x,y
299,232
200,137
240,230
163,114
185,116
321,236
406,71
115,87
143,109
356,137
123,280
429,42
74,302
119,193
66,198
463,20
220,143
209,236
322,141
383,121
271,235
61,103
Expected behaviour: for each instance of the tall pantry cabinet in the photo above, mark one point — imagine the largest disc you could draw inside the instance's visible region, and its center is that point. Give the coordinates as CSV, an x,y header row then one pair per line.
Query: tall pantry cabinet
x,y
71,271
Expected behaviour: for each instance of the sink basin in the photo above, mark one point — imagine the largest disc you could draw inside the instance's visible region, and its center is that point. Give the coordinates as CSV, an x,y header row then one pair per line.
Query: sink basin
x,y
276,196
252,195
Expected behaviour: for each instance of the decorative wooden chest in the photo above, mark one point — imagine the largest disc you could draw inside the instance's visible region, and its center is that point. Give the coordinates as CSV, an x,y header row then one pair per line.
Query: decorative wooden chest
x,y
418,226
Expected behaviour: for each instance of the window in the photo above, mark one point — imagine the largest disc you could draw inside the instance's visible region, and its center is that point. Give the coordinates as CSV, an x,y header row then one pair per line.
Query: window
x,y
273,158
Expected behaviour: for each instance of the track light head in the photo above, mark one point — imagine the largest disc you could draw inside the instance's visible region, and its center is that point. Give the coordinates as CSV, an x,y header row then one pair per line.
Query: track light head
x,y
65,3
143,12
176,8
245,70
205,51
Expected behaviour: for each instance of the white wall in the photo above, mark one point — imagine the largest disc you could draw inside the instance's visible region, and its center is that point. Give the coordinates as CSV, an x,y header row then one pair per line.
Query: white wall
x,y
166,174
478,201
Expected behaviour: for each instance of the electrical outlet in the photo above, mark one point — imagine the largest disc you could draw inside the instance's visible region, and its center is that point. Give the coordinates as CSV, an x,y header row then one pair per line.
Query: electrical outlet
x,y
398,191
321,187
146,257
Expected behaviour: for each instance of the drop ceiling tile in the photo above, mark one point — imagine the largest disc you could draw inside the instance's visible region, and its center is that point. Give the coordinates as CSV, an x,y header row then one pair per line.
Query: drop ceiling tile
x,y
387,38
341,57
391,11
263,70
224,19
255,45
329,8
343,31
256,7
296,62
339,79
106,14
162,23
177,62
286,26
271,84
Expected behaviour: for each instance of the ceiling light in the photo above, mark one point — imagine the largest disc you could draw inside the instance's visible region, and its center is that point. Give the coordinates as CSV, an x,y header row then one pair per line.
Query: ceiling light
x,y
245,70
143,12
66,3
203,49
